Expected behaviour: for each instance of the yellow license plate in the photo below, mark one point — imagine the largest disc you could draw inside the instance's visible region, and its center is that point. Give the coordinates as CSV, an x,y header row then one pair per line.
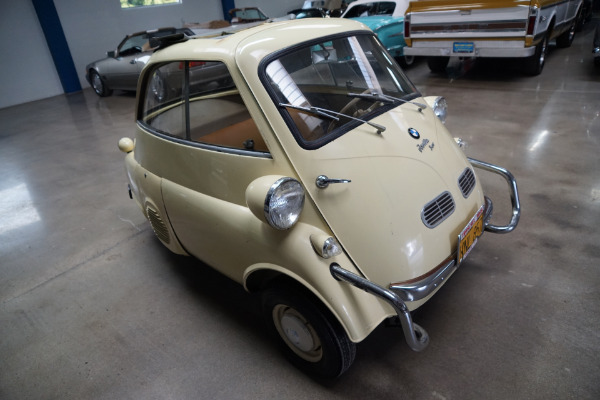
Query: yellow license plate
x,y
468,237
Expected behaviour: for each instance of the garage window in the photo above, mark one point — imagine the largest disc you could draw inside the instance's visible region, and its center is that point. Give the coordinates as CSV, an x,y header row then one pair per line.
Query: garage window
x,y
197,101
146,3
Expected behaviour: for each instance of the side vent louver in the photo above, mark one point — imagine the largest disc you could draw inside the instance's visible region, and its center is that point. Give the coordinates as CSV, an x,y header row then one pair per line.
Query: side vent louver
x,y
159,227
438,210
466,182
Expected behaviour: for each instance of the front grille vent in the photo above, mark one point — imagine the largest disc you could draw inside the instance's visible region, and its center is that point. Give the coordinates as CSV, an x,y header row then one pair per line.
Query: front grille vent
x,y
466,182
438,210
159,227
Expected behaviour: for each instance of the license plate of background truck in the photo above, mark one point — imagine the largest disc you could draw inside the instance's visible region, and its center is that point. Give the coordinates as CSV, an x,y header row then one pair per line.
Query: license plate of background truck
x,y
463,47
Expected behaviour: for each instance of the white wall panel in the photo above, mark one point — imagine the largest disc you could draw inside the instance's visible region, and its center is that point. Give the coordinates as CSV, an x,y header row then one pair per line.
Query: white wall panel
x,y
27,72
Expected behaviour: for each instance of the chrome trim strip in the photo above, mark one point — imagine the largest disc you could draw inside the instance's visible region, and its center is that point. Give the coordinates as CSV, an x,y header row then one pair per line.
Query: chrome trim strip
x,y
514,196
419,290
416,337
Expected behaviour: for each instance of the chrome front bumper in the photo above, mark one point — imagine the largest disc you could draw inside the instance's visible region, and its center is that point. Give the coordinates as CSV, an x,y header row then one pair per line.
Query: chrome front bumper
x,y
397,294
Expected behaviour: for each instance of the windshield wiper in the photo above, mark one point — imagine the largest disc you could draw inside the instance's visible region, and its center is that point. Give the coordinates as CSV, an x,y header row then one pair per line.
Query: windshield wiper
x,y
323,112
384,98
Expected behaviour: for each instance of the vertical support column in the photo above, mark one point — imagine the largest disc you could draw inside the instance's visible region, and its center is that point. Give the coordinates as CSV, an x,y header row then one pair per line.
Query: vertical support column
x,y
57,43
227,5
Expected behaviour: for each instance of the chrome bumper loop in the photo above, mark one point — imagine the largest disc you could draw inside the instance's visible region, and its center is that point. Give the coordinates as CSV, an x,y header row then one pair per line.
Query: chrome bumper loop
x,y
514,195
416,337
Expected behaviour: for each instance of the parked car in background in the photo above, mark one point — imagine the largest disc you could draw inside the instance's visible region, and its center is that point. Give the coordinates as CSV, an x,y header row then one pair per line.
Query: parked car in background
x,y
316,175
247,15
440,29
121,68
386,19
596,48
300,13
587,12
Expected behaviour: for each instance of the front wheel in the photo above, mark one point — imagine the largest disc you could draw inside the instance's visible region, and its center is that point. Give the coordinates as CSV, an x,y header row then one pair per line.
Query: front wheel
x,y
310,337
98,85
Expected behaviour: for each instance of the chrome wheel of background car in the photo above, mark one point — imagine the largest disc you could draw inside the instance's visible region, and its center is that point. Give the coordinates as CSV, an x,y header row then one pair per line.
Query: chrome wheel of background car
x,y
406,61
311,338
98,85
157,86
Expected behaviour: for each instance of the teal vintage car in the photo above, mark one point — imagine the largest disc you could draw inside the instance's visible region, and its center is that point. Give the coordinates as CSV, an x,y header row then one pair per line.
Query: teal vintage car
x,y
386,19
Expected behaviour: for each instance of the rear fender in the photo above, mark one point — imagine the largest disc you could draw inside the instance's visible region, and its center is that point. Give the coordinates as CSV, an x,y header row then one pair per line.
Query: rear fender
x,y
146,191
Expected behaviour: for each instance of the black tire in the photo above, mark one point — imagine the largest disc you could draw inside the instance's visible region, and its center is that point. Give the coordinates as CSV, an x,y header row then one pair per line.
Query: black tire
x,y
406,61
535,64
438,64
98,85
310,337
566,38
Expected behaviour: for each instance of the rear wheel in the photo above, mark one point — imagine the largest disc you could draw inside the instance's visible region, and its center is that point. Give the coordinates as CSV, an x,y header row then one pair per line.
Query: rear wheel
x,y
310,337
438,64
98,85
535,64
566,38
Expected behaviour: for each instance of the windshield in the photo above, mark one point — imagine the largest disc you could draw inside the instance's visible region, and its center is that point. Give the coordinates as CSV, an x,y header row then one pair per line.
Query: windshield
x,y
325,89
371,9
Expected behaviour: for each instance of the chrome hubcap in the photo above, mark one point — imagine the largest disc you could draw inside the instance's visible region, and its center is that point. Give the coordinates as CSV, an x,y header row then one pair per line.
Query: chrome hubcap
x,y
97,83
297,333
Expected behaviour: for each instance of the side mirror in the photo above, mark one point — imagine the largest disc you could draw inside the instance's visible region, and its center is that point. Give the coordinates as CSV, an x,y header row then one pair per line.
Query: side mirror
x,y
110,54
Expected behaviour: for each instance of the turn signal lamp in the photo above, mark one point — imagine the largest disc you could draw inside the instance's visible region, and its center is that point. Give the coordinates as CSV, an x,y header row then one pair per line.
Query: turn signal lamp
x,y
325,246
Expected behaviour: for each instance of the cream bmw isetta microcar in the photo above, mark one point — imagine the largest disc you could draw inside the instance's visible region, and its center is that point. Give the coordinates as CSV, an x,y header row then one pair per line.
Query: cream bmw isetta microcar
x,y
313,172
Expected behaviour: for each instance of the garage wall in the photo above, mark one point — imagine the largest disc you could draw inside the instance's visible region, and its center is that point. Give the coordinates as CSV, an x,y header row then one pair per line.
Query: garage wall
x,y
271,8
27,69
92,27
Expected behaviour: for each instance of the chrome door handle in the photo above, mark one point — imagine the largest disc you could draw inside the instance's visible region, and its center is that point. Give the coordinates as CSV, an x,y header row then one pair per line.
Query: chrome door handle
x,y
133,62
323,181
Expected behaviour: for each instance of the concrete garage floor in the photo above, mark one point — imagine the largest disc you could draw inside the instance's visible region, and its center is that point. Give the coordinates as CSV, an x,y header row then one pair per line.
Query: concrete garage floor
x,y
92,306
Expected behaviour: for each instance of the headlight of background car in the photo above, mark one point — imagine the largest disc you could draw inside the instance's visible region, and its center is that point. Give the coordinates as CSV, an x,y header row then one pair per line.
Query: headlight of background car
x,y
284,203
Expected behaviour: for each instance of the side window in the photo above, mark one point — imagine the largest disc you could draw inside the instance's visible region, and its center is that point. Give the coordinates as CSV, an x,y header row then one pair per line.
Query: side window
x,y
197,101
134,44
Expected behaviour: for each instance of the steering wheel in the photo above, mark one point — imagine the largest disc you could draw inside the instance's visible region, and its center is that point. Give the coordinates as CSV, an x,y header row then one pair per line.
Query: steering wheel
x,y
350,104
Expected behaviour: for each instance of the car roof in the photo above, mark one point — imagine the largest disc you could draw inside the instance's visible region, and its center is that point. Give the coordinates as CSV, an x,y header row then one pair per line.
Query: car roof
x,y
275,35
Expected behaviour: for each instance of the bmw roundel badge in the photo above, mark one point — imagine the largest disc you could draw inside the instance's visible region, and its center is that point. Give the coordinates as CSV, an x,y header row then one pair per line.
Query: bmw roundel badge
x,y
414,133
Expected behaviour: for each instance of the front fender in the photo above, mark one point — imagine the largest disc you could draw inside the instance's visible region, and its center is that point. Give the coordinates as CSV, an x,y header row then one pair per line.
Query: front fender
x,y
358,312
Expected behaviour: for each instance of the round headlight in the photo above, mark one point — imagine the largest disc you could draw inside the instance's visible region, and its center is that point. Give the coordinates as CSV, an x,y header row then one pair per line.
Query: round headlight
x,y
283,203
440,108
